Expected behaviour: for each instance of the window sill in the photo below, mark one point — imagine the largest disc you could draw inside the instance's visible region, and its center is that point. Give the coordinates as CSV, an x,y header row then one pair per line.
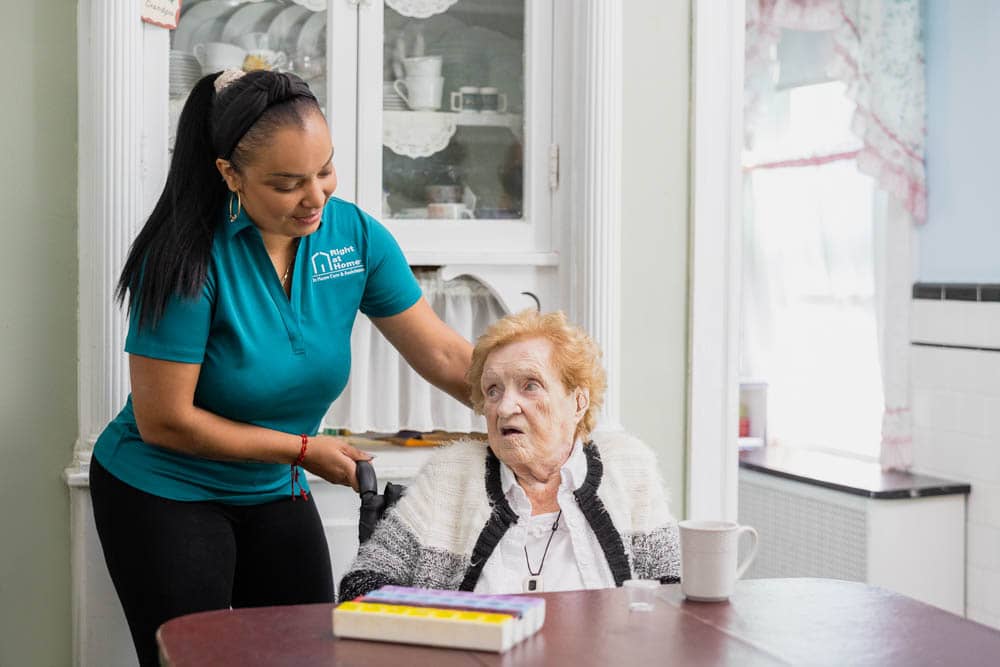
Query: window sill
x,y
847,475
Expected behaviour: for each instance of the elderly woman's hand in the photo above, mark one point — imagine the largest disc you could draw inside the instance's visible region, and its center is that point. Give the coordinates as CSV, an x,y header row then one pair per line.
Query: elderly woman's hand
x,y
334,460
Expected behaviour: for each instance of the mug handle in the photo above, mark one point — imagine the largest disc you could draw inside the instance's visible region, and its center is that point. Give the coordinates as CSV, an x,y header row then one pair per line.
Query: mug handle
x,y
396,84
199,53
456,106
502,107
741,570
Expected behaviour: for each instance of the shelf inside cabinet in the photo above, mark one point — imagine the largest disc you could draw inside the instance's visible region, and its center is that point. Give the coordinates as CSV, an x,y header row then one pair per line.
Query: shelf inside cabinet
x,y
423,133
480,258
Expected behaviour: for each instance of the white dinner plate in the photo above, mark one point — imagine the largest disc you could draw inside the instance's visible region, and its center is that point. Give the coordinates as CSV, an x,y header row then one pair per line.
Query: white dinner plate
x,y
201,23
312,37
282,29
249,18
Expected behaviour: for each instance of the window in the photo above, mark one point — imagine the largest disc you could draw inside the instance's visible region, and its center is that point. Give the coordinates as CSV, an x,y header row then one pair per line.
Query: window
x,y
809,321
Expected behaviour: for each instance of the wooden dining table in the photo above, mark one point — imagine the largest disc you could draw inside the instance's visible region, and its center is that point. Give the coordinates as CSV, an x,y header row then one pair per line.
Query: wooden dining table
x,y
766,622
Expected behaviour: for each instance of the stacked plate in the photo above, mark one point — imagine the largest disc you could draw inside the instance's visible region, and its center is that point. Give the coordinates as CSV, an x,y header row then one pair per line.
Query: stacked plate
x,y
390,98
184,73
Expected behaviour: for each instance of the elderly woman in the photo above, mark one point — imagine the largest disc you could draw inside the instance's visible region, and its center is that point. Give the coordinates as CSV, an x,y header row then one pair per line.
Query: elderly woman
x,y
547,506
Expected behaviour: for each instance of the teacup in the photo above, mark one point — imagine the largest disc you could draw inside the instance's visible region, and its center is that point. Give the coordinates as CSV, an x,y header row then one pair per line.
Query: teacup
x,y
265,59
216,56
422,66
708,558
444,193
448,211
420,93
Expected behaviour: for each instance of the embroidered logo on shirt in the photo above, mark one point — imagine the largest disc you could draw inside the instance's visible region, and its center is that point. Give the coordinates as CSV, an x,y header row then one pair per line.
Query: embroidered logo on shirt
x,y
336,263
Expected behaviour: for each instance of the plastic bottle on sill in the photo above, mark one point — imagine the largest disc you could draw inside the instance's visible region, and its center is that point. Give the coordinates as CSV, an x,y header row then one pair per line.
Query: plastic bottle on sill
x,y
744,431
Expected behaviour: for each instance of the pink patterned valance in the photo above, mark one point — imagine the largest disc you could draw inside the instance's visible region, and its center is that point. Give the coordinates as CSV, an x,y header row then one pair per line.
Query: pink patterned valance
x,y
878,53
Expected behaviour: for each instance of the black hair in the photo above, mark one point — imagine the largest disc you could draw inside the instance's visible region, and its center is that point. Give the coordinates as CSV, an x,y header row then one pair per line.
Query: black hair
x,y
170,256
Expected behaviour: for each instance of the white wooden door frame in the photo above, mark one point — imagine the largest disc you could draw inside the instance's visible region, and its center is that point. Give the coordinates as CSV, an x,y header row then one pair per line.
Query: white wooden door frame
x,y
714,257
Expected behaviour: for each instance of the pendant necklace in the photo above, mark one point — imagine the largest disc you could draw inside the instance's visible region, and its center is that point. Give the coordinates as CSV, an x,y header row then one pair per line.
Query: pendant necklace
x,y
291,263
533,582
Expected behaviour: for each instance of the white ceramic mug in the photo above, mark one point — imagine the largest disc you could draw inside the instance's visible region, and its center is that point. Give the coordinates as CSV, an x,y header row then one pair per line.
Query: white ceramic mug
x,y
421,66
491,100
216,56
708,558
447,211
420,92
466,98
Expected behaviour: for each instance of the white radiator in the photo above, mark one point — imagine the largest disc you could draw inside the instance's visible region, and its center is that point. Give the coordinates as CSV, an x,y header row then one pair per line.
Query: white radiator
x,y
912,546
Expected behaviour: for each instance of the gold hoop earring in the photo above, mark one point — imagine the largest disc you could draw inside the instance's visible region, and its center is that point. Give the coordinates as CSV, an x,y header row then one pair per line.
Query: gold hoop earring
x,y
239,206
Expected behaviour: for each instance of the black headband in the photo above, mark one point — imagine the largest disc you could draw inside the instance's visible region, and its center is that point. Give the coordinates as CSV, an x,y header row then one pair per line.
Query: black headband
x,y
242,102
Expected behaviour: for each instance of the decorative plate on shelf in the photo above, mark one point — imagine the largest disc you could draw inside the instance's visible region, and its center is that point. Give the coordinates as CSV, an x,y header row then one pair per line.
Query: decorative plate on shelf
x,y
284,26
420,9
312,37
250,18
200,23
312,5
417,133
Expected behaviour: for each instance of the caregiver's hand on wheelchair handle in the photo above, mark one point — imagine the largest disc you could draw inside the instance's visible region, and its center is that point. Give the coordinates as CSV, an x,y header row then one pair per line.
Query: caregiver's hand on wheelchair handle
x,y
334,460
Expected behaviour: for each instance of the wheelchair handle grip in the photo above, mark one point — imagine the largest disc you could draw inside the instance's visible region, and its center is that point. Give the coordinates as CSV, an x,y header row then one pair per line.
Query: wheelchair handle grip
x,y
367,481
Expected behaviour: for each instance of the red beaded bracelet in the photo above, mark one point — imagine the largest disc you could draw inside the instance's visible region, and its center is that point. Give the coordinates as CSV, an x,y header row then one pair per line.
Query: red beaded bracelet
x,y
295,468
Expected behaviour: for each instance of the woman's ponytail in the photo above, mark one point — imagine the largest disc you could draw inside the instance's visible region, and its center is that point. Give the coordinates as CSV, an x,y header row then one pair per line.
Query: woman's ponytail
x,y
170,256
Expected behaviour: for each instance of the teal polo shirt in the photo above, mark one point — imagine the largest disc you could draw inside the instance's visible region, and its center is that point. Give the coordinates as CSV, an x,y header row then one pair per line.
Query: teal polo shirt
x,y
266,358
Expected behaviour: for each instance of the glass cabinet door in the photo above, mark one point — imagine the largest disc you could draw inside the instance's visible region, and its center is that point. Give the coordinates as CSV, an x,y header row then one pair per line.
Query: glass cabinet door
x,y
452,83
440,110
453,103
213,35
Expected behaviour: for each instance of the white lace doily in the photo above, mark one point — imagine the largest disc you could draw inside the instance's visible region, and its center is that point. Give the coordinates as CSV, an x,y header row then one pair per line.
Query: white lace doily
x,y
417,133
420,9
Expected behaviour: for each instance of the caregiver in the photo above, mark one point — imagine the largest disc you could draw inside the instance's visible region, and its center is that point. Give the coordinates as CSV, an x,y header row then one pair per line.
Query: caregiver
x,y
243,287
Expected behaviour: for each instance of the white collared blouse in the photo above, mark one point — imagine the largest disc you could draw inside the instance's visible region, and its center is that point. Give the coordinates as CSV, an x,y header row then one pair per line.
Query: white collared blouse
x,y
574,560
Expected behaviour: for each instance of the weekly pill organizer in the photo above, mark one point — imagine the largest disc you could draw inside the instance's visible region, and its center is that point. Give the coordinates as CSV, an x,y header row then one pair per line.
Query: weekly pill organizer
x,y
453,619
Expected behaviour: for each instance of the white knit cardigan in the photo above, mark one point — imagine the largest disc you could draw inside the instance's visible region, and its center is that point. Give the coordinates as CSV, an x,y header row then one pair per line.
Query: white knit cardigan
x,y
448,523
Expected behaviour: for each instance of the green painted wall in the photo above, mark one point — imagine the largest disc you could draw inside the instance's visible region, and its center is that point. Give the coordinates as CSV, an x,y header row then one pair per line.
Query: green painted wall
x,y
38,281
655,185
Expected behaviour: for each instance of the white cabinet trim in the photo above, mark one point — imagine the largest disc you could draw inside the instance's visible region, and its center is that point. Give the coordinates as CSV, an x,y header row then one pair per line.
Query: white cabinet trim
x,y
717,140
596,185
110,200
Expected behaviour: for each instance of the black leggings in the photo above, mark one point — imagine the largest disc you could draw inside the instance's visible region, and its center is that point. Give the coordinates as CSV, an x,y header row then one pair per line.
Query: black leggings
x,y
168,558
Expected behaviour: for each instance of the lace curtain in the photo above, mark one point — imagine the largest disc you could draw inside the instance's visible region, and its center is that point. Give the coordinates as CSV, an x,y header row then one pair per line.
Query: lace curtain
x,y
384,394
878,53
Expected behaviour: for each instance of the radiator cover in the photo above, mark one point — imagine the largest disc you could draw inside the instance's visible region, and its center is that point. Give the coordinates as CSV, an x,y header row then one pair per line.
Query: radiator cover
x,y
802,535
914,546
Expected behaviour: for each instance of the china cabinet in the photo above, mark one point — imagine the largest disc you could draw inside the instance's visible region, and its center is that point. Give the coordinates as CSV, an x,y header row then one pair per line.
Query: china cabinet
x,y
483,133
441,113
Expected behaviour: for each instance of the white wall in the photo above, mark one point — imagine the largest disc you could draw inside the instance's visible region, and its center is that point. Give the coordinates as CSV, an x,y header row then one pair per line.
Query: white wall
x,y
657,62
956,392
956,413
38,287
960,240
